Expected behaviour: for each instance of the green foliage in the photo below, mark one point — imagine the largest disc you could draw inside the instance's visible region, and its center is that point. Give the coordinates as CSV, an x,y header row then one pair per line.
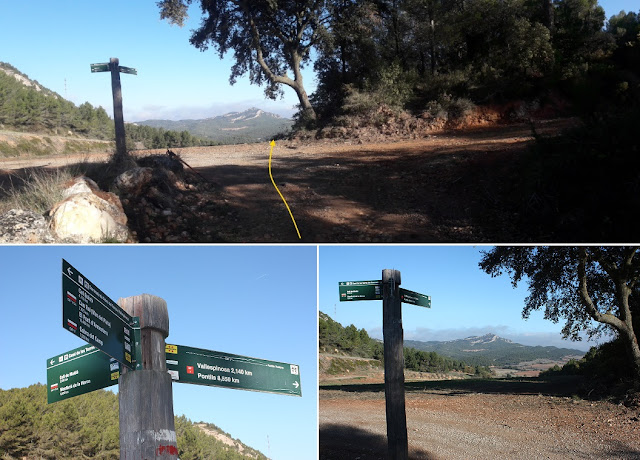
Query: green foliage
x,y
142,136
411,52
582,285
86,426
605,363
25,108
351,340
268,38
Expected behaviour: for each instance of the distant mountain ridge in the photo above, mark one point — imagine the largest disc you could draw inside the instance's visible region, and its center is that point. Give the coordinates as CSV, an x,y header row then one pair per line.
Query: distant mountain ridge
x,y
492,350
251,125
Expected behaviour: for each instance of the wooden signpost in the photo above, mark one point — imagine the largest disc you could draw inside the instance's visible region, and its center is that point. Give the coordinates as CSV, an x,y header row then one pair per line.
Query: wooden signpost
x,y
392,296
128,347
115,68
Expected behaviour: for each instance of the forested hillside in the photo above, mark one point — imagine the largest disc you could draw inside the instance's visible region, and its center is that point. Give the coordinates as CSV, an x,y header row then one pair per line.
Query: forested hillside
x,y
87,427
251,125
441,57
333,337
491,350
27,106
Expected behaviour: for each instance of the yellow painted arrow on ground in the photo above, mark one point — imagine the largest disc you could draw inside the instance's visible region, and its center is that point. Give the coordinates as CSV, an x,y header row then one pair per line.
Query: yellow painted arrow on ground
x,y
273,144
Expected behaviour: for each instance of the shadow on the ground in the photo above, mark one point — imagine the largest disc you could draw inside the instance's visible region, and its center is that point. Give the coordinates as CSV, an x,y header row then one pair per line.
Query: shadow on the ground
x,y
556,386
396,196
452,192
344,442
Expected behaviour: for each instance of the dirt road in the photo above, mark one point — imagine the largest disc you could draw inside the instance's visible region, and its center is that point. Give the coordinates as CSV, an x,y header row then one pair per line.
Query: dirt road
x,y
461,420
450,187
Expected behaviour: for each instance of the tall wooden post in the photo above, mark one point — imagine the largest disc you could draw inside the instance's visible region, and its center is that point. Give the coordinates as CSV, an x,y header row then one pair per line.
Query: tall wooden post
x,y
398,446
118,117
147,429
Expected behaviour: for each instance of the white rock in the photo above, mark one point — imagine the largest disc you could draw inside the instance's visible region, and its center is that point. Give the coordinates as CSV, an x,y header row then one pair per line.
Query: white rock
x,y
18,226
89,216
80,185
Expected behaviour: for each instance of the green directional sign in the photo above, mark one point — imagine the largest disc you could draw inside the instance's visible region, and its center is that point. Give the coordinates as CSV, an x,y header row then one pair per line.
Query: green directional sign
x,y
130,70
360,290
214,368
88,313
415,298
102,67
79,371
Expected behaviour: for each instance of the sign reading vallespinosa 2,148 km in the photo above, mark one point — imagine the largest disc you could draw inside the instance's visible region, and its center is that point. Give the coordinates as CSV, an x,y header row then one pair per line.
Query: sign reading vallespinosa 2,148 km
x,y
215,368
88,313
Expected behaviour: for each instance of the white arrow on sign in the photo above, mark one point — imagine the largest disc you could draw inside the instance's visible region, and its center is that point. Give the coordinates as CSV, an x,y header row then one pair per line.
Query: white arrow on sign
x,y
69,271
296,384
51,362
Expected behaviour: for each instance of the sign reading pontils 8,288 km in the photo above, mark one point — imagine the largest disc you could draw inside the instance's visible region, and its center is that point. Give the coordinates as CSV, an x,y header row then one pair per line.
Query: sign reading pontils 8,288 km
x,y
215,368
88,313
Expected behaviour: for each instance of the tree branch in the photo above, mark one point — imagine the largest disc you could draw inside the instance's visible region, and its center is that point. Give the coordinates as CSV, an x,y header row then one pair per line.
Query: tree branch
x,y
259,57
605,318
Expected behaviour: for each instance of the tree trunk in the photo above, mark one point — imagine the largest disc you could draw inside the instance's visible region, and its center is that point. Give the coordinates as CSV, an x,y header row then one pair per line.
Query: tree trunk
x,y
624,323
547,15
307,108
633,350
298,87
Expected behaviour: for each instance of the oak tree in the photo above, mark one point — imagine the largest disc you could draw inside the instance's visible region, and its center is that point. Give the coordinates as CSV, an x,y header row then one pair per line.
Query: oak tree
x,y
269,38
578,284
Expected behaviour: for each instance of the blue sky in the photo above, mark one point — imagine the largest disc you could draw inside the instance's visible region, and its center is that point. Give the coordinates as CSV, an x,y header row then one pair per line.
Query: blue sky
x,y
252,301
465,300
55,43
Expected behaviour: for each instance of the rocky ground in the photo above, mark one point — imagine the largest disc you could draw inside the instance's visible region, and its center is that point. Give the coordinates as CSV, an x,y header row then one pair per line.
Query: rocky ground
x,y
451,186
464,419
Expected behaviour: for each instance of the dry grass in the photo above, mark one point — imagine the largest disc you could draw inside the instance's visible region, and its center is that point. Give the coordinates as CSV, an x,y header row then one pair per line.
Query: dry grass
x,y
38,191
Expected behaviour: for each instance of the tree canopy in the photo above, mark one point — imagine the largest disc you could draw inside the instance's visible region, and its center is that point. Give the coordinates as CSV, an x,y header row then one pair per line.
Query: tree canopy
x,y
268,38
412,54
578,284
86,426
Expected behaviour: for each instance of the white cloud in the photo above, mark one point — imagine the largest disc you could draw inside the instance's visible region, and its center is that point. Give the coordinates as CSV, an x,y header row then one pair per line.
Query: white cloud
x,y
157,112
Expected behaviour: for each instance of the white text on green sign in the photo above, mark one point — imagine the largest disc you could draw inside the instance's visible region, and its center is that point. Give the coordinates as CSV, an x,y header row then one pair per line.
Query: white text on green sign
x,y
129,70
79,371
214,368
360,290
102,67
88,313
415,298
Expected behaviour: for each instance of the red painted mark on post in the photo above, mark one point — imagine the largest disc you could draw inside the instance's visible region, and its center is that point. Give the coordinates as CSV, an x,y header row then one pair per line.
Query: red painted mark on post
x,y
171,450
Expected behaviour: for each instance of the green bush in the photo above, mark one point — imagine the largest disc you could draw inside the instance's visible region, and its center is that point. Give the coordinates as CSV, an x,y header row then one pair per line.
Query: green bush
x,y
605,363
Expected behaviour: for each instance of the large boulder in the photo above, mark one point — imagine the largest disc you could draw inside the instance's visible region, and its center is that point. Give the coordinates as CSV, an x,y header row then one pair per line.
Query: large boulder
x,y
18,226
133,181
89,215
